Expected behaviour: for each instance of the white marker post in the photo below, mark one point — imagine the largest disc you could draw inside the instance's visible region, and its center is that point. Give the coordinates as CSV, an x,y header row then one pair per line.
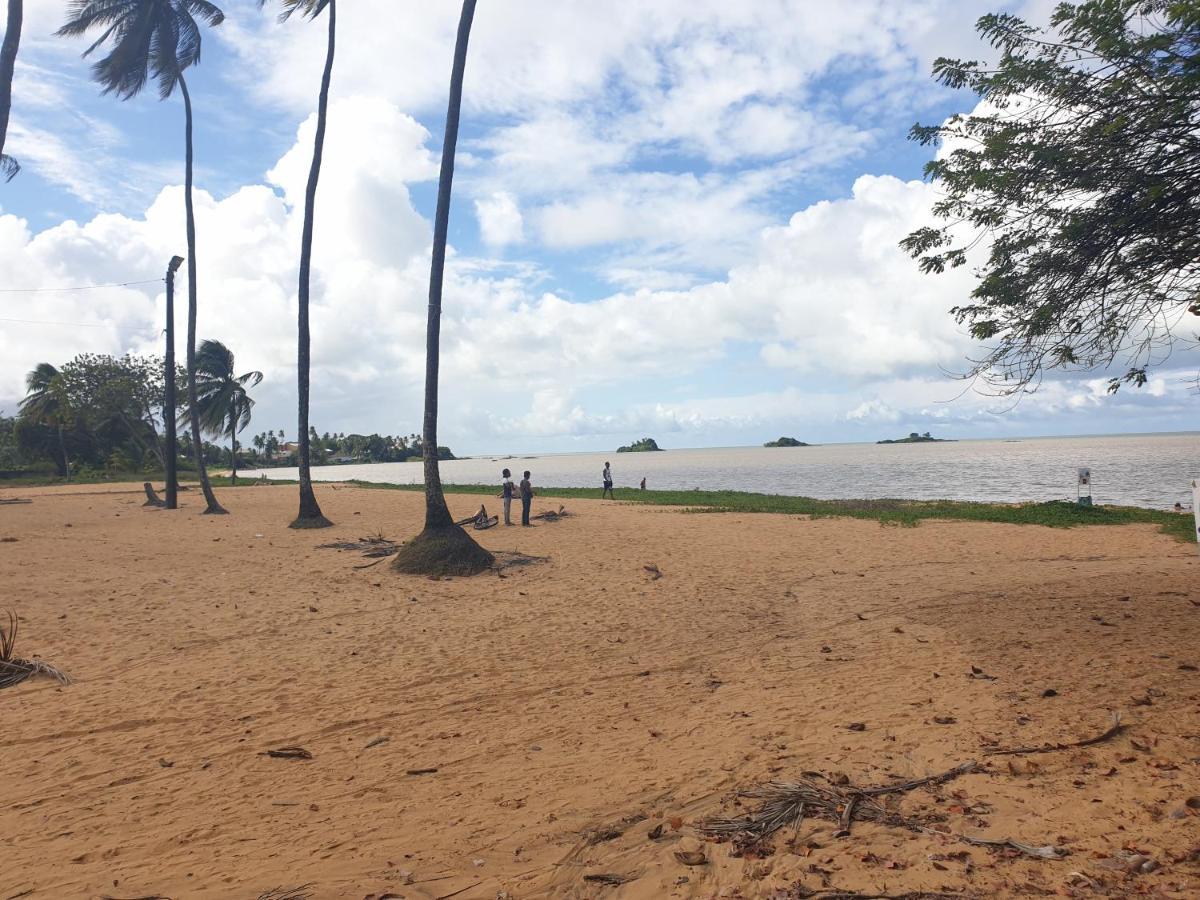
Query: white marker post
x,y
1196,506
1083,495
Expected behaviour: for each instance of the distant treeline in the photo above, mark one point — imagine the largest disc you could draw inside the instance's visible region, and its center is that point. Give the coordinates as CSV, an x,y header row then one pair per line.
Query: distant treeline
x,y
100,415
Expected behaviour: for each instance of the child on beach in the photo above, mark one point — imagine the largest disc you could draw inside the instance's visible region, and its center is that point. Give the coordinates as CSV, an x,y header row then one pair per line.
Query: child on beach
x,y
607,476
526,499
506,491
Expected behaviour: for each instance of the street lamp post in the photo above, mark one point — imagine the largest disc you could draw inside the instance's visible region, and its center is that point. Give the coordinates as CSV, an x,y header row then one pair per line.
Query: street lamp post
x,y
169,405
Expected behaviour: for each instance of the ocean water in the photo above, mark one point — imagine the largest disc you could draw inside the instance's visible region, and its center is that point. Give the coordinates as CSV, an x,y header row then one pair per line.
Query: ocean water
x,y
1134,470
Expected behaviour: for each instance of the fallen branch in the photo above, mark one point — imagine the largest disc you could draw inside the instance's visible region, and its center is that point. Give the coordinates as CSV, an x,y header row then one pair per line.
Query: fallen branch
x,y
551,515
608,878
787,803
11,500
288,753
1113,730
1047,852
371,547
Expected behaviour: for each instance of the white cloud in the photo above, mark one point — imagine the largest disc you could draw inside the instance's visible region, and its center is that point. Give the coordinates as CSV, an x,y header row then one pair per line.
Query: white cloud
x,y
654,145
500,220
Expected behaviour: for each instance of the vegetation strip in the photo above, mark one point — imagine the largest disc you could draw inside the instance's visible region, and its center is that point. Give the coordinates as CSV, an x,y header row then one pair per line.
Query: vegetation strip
x,y
1052,514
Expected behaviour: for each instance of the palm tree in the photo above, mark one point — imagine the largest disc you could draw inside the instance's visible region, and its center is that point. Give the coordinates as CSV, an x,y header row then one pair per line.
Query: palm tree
x,y
158,38
310,515
8,61
442,548
44,404
223,406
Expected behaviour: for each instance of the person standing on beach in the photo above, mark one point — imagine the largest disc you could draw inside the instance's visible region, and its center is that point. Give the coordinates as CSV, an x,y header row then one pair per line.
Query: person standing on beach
x,y
526,499
506,491
608,479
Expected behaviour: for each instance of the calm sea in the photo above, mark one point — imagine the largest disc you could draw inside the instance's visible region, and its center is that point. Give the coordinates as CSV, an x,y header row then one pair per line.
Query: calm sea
x,y
1134,470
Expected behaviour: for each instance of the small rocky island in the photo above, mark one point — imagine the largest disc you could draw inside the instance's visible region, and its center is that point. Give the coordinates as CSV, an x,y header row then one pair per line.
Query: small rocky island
x,y
645,445
785,442
915,438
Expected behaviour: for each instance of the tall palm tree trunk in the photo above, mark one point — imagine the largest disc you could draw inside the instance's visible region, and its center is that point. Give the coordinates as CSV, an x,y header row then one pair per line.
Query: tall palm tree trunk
x,y
443,547
8,62
233,418
171,452
210,498
310,515
437,515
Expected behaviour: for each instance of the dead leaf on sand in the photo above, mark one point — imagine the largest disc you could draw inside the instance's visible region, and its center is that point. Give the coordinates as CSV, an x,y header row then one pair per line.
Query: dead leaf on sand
x,y
691,857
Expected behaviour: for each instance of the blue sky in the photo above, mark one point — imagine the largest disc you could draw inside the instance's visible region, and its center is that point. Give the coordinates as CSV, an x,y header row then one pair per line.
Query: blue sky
x,y
677,220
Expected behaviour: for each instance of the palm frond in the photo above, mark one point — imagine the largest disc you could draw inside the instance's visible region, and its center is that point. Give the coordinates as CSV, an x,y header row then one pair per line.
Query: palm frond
x,y
205,10
9,167
310,9
147,38
13,669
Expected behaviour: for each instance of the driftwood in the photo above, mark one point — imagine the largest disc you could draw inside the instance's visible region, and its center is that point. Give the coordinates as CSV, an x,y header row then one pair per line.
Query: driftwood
x,y
152,499
1113,730
8,501
14,669
551,515
481,521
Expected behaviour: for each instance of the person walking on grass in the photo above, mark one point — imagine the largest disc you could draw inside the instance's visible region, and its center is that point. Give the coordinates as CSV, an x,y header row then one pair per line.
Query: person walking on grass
x,y
526,499
506,491
608,479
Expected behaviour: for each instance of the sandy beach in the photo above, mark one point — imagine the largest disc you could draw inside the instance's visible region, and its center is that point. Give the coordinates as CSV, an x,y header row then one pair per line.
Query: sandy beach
x,y
573,705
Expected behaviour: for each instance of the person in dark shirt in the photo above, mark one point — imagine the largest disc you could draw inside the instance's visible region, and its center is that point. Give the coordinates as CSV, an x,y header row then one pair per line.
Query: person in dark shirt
x,y
607,477
526,499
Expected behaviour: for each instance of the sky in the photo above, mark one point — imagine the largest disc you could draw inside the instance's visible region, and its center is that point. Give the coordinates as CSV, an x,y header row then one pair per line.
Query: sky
x,y
675,219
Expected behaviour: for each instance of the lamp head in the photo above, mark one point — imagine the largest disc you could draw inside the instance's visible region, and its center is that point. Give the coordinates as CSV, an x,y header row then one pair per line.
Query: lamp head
x,y
176,262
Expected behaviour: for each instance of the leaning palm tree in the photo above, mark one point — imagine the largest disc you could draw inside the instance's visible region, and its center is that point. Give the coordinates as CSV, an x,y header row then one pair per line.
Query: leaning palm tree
x,y
8,61
310,515
442,548
222,404
158,38
44,403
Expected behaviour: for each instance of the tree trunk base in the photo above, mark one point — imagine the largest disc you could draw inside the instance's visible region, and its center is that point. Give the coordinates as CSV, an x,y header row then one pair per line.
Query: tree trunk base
x,y
317,521
442,551
217,510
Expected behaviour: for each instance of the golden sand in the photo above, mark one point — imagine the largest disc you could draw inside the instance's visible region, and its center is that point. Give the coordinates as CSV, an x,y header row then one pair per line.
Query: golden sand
x,y
580,694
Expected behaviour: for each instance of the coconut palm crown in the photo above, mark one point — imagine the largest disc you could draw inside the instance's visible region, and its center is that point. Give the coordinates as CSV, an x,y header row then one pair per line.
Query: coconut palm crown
x,y
149,38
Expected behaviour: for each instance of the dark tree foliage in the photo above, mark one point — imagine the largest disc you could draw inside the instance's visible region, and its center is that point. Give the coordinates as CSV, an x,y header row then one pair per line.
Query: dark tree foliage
x,y
1080,175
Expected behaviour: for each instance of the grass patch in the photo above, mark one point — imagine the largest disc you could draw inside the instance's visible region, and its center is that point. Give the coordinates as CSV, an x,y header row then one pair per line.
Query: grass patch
x,y
1052,514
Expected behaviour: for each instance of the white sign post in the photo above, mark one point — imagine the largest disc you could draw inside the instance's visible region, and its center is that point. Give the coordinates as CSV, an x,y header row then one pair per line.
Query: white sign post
x,y
1196,506
1084,495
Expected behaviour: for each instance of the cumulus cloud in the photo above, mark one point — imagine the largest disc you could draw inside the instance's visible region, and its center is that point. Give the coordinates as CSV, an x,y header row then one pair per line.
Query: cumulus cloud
x,y
500,220
661,149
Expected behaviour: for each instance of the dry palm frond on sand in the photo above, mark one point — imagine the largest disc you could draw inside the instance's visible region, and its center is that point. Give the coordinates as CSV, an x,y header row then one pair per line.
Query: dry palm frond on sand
x,y
13,669
371,546
788,803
